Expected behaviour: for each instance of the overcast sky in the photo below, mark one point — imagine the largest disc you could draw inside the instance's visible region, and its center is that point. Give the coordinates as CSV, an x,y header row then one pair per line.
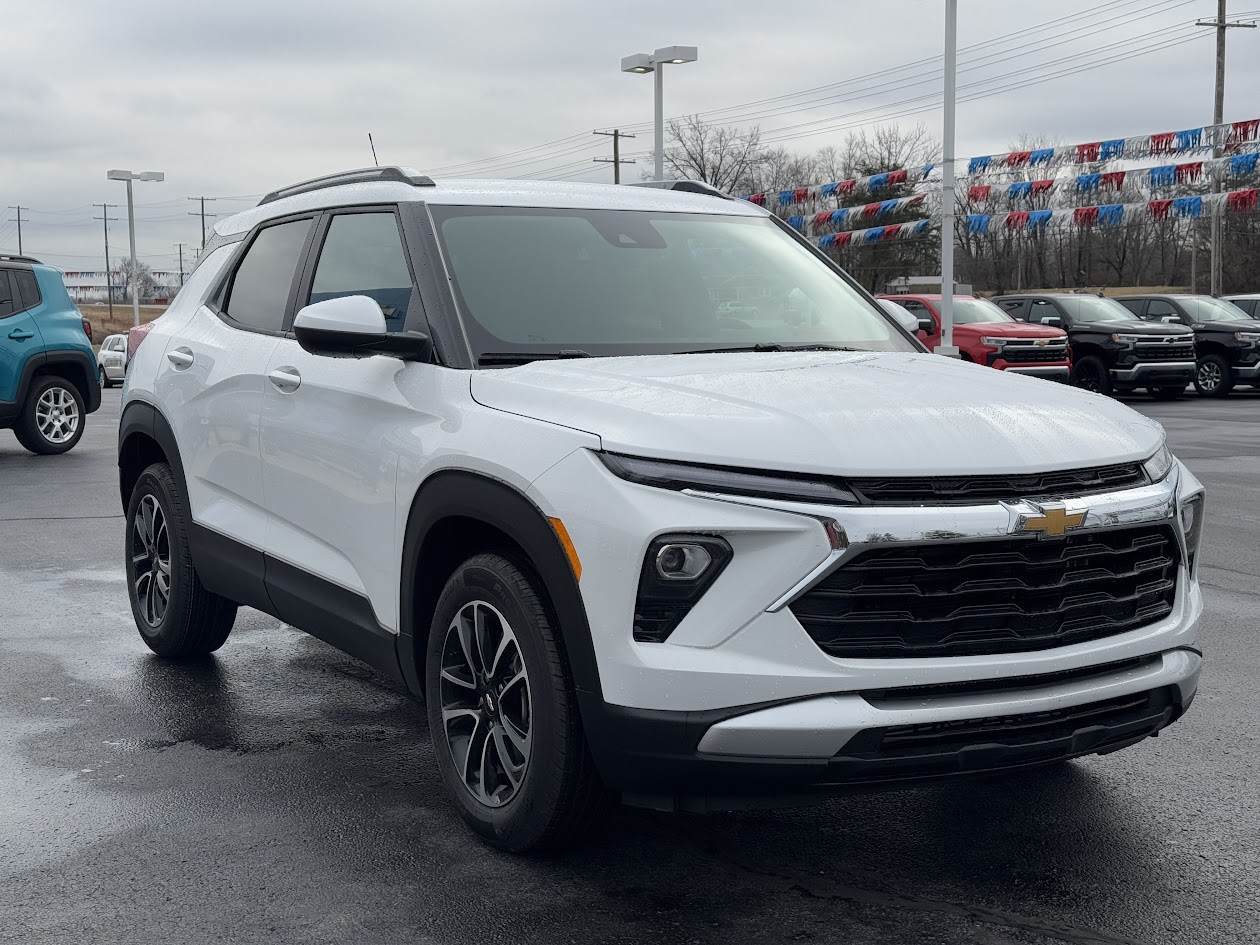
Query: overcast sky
x,y
231,98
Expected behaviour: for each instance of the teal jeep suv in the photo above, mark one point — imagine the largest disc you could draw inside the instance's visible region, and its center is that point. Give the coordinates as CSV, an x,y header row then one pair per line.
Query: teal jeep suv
x,y
48,373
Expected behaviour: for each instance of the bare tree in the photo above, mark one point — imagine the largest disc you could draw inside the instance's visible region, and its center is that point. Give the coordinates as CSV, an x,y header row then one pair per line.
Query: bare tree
x,y
715,154
886,148
143,279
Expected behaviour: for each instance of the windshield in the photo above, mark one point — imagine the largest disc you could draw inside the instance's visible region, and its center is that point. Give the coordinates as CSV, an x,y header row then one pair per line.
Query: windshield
x,y
618,282
978,312
1091,308
1214,310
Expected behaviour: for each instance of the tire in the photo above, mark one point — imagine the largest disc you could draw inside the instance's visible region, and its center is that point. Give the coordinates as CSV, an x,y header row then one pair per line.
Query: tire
x,y
1166,393
52,417
535,787
1213,377
1091,374
191,621
105,381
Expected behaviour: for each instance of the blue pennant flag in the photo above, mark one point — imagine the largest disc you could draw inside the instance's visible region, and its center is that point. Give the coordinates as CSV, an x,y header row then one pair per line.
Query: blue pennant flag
x,y
977,222
927,169
1111,215
785,198
796,223
838,216
1241,164
922,226
1191,138
1041,156
878,182
873,235
1188,206
1019,189
977,165
888,206
829,189
1039,218
827,241
1111,149
1164,176
1087,182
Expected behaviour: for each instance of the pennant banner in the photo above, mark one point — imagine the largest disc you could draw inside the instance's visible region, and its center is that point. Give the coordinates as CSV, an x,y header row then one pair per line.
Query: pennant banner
x,y
873,185
1115,214
876,234
847,216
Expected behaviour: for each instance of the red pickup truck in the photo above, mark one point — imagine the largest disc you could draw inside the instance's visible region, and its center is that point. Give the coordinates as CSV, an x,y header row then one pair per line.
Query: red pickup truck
x,y
987,335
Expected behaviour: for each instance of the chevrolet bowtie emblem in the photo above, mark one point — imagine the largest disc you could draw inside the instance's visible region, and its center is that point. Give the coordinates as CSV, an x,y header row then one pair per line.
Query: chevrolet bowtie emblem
x,y
1053,522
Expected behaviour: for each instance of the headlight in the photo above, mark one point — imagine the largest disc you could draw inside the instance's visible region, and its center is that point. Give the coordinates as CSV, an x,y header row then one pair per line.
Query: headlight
x,y
995,342
664,474
1250,336
1158,465
1192,527
1127,339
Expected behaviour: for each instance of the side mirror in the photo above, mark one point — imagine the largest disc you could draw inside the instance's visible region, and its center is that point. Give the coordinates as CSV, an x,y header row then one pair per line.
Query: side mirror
x,y
353,326
1170,319
1054,321
906,320
926,325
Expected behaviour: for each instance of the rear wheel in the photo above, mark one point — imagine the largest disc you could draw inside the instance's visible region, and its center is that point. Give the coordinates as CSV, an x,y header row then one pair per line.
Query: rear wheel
x,y
1213,377
176,616
52,417
503,711
104,379
1091,374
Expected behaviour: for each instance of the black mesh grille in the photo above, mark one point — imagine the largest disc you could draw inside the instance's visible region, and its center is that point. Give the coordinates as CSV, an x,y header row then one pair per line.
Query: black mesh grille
x,y
1030,355
985,490
986,597
1181,351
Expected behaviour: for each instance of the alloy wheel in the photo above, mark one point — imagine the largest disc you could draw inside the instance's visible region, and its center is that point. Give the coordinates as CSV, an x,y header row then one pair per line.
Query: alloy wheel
x,y
487,712
151,561
57,415
1089,380
1209,376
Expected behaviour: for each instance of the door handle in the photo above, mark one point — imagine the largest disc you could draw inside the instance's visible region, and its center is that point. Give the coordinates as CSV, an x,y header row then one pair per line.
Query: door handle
x,y
180,357
21,334
286,379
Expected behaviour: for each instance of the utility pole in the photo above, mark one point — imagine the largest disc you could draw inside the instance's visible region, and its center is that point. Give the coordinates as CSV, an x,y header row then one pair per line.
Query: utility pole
x,y
202,213
181,263
616,134
109,276
1220,24
19,223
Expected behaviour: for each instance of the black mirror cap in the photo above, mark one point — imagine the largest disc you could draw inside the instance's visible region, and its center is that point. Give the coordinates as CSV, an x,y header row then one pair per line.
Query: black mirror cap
x,y
404,345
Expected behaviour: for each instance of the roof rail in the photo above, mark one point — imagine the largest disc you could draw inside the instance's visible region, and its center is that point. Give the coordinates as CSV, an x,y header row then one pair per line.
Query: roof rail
x,y
363,175
6,257
683,185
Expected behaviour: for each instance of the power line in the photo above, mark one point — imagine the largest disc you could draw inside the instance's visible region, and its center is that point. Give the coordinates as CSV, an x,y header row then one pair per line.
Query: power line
x,y
202,214
616,160
109,279
19,221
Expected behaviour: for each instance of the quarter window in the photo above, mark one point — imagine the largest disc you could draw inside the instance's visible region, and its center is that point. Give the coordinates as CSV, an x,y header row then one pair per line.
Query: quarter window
x,y
260,289
363,255
27,288
7,304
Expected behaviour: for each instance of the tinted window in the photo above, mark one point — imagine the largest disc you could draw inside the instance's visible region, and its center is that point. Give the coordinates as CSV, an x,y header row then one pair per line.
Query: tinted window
x,y
1158,309
1042,308
1133,305
1014,307
27,288
1092,309
1213,310
619,282
363,255
7,305
1247,305
978,312
914,306
260,288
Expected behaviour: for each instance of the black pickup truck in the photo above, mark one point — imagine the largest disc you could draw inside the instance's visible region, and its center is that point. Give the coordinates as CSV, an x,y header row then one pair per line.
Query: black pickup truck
x,y
1112,349
1226,338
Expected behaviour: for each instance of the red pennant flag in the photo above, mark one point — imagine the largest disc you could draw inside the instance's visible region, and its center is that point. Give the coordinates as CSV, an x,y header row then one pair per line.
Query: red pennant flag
x,y
1017,220
1113,180
1192,171
1087,153
896,177
822,218
979,193
1163,143
1159,209
1042,186
843,239
846,187
871,210
1241,201
1017,158
890,231
1086,216
758,199
800,195
1241,131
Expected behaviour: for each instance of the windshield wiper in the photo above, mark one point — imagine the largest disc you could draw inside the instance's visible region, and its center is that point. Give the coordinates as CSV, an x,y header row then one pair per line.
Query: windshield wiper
x,y
492,358
775,346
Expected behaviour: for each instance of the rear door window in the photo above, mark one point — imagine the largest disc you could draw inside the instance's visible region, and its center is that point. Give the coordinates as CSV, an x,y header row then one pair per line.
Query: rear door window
x,y
1016,308
1136,306
363,255
1044,308
1158,310
259,293
7,304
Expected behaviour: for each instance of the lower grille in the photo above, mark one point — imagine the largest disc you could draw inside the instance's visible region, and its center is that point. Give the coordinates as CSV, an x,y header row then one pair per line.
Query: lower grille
x,y
937,748
1022,355
990,597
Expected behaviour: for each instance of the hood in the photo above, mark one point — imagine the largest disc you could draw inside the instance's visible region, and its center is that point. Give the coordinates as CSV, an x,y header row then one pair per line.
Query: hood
x,y
1134,326
1011,329
860,414
1250,324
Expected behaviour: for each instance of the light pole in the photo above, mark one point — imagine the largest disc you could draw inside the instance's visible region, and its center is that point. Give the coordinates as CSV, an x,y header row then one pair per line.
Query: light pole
x,y
947,346
129,176
643,63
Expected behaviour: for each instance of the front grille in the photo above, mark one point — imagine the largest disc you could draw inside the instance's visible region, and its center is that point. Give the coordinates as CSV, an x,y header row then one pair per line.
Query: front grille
x,y
1007,595
987,490
1025,354
937,748
1180,351
972,687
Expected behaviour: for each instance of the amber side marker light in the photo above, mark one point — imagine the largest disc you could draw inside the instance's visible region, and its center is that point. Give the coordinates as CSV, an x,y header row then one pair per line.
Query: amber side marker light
x,y
567,544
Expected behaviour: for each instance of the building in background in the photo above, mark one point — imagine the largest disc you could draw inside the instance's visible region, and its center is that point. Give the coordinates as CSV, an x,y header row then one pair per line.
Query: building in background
x,y
92,286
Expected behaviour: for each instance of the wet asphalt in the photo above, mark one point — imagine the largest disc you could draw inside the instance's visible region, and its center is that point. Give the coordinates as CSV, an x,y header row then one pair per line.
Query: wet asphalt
x,y
284,793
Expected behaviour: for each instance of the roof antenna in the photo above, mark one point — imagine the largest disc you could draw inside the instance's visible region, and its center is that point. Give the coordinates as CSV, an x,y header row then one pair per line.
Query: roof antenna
x,y
374,160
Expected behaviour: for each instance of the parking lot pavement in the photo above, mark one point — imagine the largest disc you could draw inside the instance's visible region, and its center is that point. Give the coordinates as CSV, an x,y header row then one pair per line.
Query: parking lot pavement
x,y
285,793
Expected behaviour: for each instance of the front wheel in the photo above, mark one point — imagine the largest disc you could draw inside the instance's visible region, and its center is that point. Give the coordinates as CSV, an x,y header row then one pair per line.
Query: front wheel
x,y
1213,377
503,711
1091,374
176,616
52,417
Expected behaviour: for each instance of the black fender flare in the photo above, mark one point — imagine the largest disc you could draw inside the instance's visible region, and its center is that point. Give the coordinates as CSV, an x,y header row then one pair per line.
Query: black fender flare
x,y
457,493
39,362
142,418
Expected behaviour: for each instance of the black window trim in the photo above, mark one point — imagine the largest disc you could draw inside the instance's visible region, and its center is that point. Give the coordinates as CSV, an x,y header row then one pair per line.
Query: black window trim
x,y
10,272
223,289
14,298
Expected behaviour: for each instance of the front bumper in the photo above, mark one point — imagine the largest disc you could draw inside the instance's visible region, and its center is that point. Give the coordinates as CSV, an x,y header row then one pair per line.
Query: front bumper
x,y
1053,372
1159,373
880,740
1247,373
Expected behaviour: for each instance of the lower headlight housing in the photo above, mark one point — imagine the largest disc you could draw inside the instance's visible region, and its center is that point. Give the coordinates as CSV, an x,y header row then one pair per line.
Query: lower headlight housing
x,y
1192,527
677,570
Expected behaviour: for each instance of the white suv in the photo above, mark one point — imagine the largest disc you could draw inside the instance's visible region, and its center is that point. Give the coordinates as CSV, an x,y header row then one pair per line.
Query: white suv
x,y
503,442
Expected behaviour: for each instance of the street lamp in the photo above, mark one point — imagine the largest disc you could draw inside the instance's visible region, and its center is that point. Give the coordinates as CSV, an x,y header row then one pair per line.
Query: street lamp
x,y
643,63
129,176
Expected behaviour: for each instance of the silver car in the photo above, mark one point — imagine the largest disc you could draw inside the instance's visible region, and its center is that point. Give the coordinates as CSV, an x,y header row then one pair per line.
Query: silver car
x,y
112,360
